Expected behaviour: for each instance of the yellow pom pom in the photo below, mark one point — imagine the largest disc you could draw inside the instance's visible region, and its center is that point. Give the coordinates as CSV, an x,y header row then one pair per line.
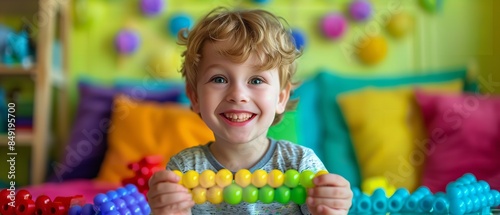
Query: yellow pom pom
x,y
372,50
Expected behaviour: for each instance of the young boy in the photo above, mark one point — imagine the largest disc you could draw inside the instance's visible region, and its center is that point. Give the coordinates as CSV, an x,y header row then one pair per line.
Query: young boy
x,y
238,68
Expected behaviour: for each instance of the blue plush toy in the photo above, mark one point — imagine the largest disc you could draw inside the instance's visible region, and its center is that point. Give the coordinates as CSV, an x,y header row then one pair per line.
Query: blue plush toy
x,y
14,47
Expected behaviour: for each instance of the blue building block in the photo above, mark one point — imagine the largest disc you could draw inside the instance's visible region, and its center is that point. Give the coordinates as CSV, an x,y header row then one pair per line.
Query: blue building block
x,y
466,195
125,201
397,200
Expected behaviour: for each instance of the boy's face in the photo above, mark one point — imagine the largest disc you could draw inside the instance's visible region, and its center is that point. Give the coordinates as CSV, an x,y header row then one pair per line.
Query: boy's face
x,y
235,100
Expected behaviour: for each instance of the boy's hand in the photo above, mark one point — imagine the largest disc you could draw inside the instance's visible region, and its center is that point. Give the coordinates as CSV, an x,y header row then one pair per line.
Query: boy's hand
x,y
166,196
331,195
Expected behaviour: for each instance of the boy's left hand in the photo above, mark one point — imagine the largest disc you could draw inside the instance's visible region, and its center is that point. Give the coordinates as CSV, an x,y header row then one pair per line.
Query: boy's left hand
x,y
331,195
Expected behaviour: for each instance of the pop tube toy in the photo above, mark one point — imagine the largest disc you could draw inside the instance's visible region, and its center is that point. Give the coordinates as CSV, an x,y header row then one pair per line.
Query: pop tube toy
x,y
244,186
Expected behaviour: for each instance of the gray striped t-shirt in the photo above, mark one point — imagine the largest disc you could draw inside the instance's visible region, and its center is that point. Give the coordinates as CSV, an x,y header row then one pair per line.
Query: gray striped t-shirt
x,y
282,155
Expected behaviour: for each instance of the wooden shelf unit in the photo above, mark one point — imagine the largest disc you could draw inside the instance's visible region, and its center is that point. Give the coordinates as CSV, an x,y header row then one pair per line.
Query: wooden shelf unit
x,y
55,12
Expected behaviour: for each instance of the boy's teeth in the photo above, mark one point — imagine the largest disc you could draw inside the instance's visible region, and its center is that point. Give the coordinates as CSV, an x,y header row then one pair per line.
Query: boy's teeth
x,y
238,117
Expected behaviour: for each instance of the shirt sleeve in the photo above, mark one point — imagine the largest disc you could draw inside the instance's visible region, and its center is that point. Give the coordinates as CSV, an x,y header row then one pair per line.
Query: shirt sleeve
x,y
172,165
310,161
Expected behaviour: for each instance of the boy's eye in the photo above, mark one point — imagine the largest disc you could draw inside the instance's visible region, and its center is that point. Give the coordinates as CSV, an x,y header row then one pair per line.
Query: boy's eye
x,y
256,81
219,80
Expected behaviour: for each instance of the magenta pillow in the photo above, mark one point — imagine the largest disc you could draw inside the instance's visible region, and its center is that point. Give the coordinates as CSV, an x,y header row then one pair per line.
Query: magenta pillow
x,y
87,144
464,133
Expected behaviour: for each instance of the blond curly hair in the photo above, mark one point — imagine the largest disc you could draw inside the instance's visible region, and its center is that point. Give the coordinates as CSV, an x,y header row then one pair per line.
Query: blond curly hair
x,y
249,31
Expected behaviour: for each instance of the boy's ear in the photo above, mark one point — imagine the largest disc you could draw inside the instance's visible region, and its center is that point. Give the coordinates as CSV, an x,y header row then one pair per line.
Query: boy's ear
x,y
283,98
193,98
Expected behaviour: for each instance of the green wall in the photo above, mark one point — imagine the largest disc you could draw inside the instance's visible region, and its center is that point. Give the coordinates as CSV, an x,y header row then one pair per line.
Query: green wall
x,y
459,34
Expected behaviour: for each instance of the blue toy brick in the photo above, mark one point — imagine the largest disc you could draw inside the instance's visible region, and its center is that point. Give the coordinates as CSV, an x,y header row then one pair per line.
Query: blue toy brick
x,y
364,204
397,200
125,200
379,201
441,205
88,209
75,210
100,199
112,195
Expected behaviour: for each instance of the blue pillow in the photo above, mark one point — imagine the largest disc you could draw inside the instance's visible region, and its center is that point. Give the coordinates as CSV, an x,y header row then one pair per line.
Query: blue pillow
x,y
339,154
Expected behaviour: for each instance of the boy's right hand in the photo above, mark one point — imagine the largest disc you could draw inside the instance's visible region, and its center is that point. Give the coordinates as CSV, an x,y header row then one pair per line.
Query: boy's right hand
x,y
166,196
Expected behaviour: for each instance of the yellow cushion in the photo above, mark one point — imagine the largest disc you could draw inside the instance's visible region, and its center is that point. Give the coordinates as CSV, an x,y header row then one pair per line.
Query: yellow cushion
x,y
141,128
387,131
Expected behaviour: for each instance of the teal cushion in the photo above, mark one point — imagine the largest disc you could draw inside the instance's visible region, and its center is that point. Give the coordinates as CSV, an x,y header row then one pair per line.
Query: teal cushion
x,y
142,86
309,123
302,125
339,155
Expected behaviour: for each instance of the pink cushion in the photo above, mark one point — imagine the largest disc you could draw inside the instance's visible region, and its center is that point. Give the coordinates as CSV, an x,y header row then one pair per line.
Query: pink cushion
x,y
87,188
464,133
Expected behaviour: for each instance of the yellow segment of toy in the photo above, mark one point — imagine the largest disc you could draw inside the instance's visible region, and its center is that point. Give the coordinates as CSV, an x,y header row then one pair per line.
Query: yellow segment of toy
x,y
243,177
207,178
190,179
199,195
275,178
259,178
223,178
178,173
214,195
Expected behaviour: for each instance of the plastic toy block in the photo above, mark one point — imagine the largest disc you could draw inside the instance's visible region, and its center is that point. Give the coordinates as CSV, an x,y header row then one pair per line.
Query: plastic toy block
x,y
379,201
143,170
25,205
466,195
397,200
124,200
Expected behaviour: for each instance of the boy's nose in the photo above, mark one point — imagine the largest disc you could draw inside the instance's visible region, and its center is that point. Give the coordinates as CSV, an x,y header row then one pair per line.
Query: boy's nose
x,y
237,93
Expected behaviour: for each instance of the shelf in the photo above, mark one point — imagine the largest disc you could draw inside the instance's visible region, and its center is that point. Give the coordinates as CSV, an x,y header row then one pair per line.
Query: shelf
x,y
23,138
4,70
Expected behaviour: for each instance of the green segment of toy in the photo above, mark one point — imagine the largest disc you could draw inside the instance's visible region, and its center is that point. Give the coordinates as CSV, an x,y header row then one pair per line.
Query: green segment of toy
x,y
266,194
292,178
298,195
282,194
250,194
232,194
306,178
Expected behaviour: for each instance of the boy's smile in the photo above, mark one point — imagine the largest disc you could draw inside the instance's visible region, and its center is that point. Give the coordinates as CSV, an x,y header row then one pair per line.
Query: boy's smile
x,y
238,118
235,99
